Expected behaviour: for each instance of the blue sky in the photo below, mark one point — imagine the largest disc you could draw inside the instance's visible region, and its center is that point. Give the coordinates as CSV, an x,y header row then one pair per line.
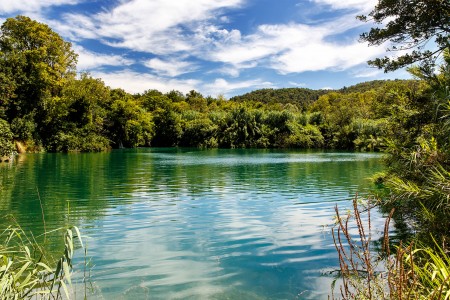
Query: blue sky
x,y
226,47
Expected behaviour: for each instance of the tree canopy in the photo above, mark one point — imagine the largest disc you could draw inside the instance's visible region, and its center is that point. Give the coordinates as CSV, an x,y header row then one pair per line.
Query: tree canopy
x,y
34,63
410,25
301,97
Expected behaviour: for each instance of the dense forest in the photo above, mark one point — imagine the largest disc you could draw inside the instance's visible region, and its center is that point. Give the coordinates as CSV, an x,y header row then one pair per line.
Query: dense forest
x,y
45,106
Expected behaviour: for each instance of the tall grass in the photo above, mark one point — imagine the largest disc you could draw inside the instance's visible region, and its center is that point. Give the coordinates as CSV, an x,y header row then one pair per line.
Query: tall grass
x,y
409,272
27,271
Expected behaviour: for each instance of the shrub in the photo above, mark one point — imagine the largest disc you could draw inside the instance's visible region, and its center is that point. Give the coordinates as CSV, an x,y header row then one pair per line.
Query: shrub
x,y
6,137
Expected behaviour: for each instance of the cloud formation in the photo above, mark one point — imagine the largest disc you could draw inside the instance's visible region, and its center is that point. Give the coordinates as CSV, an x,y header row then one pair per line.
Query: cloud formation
x,y
160,43
222,86
359,5
295,48
166,28
88,60
12,6
158,26
172,67
136,82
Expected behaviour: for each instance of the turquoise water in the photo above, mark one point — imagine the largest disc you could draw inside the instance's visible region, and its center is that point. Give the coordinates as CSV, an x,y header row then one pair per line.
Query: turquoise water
x,y
193,224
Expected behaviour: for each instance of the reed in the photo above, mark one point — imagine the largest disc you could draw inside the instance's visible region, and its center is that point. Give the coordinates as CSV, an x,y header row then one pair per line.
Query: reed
x,y
27,271
413,271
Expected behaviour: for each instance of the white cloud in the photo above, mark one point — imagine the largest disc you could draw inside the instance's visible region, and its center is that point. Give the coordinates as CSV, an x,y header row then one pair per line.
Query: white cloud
x,y
297,84
367,72
11,6
134,82
88,60
191,28
319,55
175,31
172,67
229,71
222,86
76,27
295,48
361,5
158,26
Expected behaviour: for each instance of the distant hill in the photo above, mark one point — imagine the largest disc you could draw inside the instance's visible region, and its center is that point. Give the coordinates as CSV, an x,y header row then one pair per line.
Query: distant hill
x,y
368,85
302,97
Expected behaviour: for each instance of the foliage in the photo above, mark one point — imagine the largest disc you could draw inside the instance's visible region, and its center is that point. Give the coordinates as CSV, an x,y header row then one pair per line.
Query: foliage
x,y
431,265
131,125
6,146
168,128
367,86
241,128
27,272
36,62
409,25
80,140
301,97
23,128
419,161
199,132
76,120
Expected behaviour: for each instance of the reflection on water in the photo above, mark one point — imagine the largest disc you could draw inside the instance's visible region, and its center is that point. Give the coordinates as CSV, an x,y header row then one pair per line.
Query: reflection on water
x,y
190,224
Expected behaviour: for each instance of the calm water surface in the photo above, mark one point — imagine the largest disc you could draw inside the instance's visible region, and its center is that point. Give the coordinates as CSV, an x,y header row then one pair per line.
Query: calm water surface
x,y
191,224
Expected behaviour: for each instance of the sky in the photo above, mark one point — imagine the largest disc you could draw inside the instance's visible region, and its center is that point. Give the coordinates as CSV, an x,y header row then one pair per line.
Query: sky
x,y
216,47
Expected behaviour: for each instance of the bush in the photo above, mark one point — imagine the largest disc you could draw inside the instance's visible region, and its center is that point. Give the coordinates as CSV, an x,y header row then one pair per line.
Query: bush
x,y
78,141
305,137
199,133
23,128
6,137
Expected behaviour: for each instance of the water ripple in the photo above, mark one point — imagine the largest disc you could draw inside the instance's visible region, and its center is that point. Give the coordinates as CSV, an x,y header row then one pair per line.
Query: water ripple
x,y
177,224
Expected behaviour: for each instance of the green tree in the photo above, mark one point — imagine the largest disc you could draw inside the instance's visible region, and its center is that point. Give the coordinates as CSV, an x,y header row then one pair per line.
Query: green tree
x,y
131,125
88,100
242,128
199,131
409,25
418,172
76,120
35,63
151,100
168,128
175,96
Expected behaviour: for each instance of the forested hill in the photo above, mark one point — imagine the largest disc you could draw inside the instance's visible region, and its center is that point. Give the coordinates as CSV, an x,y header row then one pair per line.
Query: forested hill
x,y
369,85
302,97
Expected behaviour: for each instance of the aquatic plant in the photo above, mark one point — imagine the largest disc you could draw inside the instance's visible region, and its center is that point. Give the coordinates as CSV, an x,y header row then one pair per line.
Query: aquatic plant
x,y
413,271
27,271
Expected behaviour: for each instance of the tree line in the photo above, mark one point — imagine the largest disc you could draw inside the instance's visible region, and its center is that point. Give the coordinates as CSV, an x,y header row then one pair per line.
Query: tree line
x,y
44,105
